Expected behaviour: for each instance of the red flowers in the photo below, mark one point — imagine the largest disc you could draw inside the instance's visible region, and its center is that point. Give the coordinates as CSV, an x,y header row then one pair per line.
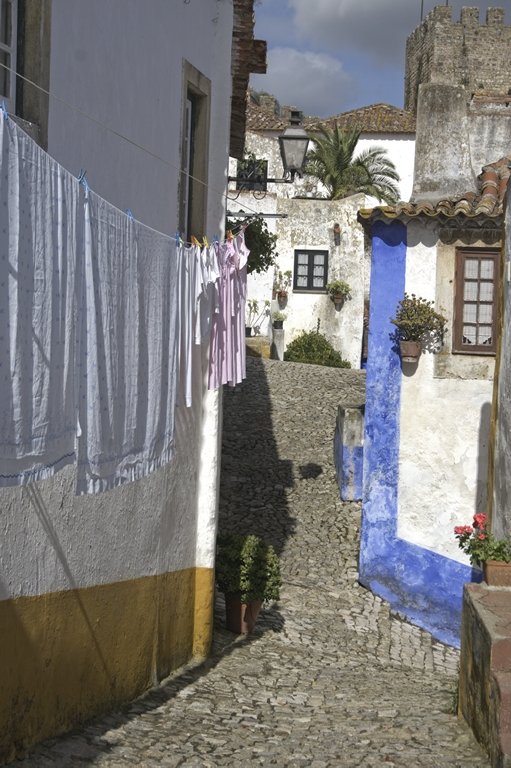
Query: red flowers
x,y
480,520
479,543
462,530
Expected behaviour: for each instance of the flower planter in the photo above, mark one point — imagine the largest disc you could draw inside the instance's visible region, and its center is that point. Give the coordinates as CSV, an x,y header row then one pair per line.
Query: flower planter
x,y
410,351
497,573
241,617
278,325
282,299
248,330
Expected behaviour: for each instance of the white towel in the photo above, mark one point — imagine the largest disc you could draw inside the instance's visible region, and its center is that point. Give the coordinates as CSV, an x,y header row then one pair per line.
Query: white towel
x,y
129,349
39,204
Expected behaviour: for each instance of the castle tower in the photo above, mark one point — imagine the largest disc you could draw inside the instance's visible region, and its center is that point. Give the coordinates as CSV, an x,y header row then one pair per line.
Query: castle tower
x,y
465,53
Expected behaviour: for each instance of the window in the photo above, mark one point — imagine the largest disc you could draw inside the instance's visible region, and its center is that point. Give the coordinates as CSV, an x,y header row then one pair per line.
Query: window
x,y
194,154
8,18
475,301
311,270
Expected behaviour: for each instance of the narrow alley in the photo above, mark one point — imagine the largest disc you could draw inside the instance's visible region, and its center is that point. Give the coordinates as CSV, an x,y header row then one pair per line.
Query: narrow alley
x,y
328,679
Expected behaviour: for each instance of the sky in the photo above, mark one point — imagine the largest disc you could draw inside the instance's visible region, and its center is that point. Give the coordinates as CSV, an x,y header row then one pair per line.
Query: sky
x,y
330,56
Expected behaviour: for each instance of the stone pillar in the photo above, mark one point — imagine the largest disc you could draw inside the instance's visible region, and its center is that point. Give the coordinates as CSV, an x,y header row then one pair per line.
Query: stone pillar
x,y
278,344
349,451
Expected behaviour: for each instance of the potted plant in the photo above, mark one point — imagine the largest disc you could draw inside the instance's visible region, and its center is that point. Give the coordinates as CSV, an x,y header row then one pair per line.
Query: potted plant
x,y
254,317
247,571
416,321
484,550
281,285
277,320
338,290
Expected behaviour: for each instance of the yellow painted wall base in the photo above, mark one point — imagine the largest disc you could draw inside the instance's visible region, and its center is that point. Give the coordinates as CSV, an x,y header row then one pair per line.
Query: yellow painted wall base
x,y
67,656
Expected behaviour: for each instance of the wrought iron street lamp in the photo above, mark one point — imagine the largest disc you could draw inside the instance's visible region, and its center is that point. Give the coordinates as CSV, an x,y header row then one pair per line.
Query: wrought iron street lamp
x,y
293,150
293,146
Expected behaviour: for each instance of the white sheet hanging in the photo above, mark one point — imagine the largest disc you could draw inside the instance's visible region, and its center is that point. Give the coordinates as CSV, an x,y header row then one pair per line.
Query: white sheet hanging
x,y
39,239
129,353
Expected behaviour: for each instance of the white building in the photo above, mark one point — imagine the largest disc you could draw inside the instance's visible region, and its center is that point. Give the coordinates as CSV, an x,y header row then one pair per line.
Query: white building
x,y
307,234
102,596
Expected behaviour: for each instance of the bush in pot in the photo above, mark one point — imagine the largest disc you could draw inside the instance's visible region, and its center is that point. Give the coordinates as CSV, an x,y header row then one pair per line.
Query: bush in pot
x,y
247,571
338,290
485,550
417,321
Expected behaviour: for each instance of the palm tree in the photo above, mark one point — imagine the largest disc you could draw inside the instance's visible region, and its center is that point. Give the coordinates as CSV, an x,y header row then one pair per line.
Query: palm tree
x,y
332,162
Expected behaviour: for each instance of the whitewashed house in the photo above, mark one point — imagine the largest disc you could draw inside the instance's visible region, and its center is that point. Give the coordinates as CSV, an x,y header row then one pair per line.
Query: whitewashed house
x,y
427,427
102,596
306,234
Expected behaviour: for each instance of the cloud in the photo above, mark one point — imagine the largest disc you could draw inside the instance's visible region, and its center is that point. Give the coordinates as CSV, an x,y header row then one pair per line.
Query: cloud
x,y
367,28
375,28
313,82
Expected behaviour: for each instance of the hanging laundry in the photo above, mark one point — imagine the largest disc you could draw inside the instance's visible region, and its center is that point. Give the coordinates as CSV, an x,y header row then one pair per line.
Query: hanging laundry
x,y
207,293
128,355
227,362
40,235
188,258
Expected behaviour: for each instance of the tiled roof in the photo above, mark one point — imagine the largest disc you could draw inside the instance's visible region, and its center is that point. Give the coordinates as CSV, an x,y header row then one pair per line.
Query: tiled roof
x,y
487,201
376,118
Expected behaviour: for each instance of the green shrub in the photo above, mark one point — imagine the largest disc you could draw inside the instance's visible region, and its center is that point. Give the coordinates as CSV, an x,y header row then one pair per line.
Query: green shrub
x,y
313,347
247,566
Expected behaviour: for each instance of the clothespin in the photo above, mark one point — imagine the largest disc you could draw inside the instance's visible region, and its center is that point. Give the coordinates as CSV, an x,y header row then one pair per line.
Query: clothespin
x,y
3,107
178,239
205,241
83,181
195,241
129,214
229,235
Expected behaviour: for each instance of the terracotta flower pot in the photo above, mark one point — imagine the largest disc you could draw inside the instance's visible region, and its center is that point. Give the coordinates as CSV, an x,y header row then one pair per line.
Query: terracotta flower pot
x,y
241,617
410,351
497,573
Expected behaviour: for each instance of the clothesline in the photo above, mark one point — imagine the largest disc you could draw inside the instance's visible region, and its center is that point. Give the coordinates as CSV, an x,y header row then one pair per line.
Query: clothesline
x,y
103,314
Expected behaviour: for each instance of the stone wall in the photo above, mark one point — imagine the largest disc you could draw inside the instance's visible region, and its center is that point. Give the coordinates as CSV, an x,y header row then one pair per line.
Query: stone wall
x,y
463,53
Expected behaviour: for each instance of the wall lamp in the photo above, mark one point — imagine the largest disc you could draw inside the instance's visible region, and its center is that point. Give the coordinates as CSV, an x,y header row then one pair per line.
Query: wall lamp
x,y
293,150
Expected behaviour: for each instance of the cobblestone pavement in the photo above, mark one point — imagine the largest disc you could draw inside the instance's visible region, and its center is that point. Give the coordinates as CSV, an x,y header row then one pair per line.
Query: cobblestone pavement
x,y
329,677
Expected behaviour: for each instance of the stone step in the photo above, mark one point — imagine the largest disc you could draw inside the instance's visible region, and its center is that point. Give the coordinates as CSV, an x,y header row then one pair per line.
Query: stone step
x,y
258,346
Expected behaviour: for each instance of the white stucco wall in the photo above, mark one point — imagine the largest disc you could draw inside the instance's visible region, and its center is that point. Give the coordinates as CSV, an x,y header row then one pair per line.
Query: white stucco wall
x,y
400,148
501,518
443,430
129,76
121,62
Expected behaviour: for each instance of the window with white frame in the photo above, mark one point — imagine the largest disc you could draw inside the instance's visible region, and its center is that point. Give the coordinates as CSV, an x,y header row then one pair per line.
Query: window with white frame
x,y
475,301
8,24
311,270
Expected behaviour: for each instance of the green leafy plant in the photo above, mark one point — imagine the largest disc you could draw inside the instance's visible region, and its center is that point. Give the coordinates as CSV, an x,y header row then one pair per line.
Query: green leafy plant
x,y
282,282
261,243
314,348
416,317
480,544
338,288
247,566
279,316
253,315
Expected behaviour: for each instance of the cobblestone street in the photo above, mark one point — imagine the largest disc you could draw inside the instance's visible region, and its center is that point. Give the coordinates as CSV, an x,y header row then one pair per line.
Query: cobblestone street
x,y
329,678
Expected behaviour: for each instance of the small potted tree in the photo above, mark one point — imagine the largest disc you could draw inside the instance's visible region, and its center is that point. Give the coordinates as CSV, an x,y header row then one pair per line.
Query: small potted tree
x,y
338,290
417,322
247,571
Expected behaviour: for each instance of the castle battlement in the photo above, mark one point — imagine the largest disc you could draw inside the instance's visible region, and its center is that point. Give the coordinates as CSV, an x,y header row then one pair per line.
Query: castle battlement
x,y
459,52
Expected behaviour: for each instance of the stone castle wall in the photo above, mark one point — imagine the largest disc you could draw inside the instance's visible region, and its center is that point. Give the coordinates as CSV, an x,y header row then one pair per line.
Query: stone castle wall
x,y
465,53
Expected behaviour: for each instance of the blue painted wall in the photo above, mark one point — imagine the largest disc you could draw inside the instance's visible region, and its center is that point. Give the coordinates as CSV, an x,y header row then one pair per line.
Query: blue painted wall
x,y
423,585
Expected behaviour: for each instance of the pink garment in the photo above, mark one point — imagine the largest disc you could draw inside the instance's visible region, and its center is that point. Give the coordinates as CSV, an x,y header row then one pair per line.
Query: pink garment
x,y
227,361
